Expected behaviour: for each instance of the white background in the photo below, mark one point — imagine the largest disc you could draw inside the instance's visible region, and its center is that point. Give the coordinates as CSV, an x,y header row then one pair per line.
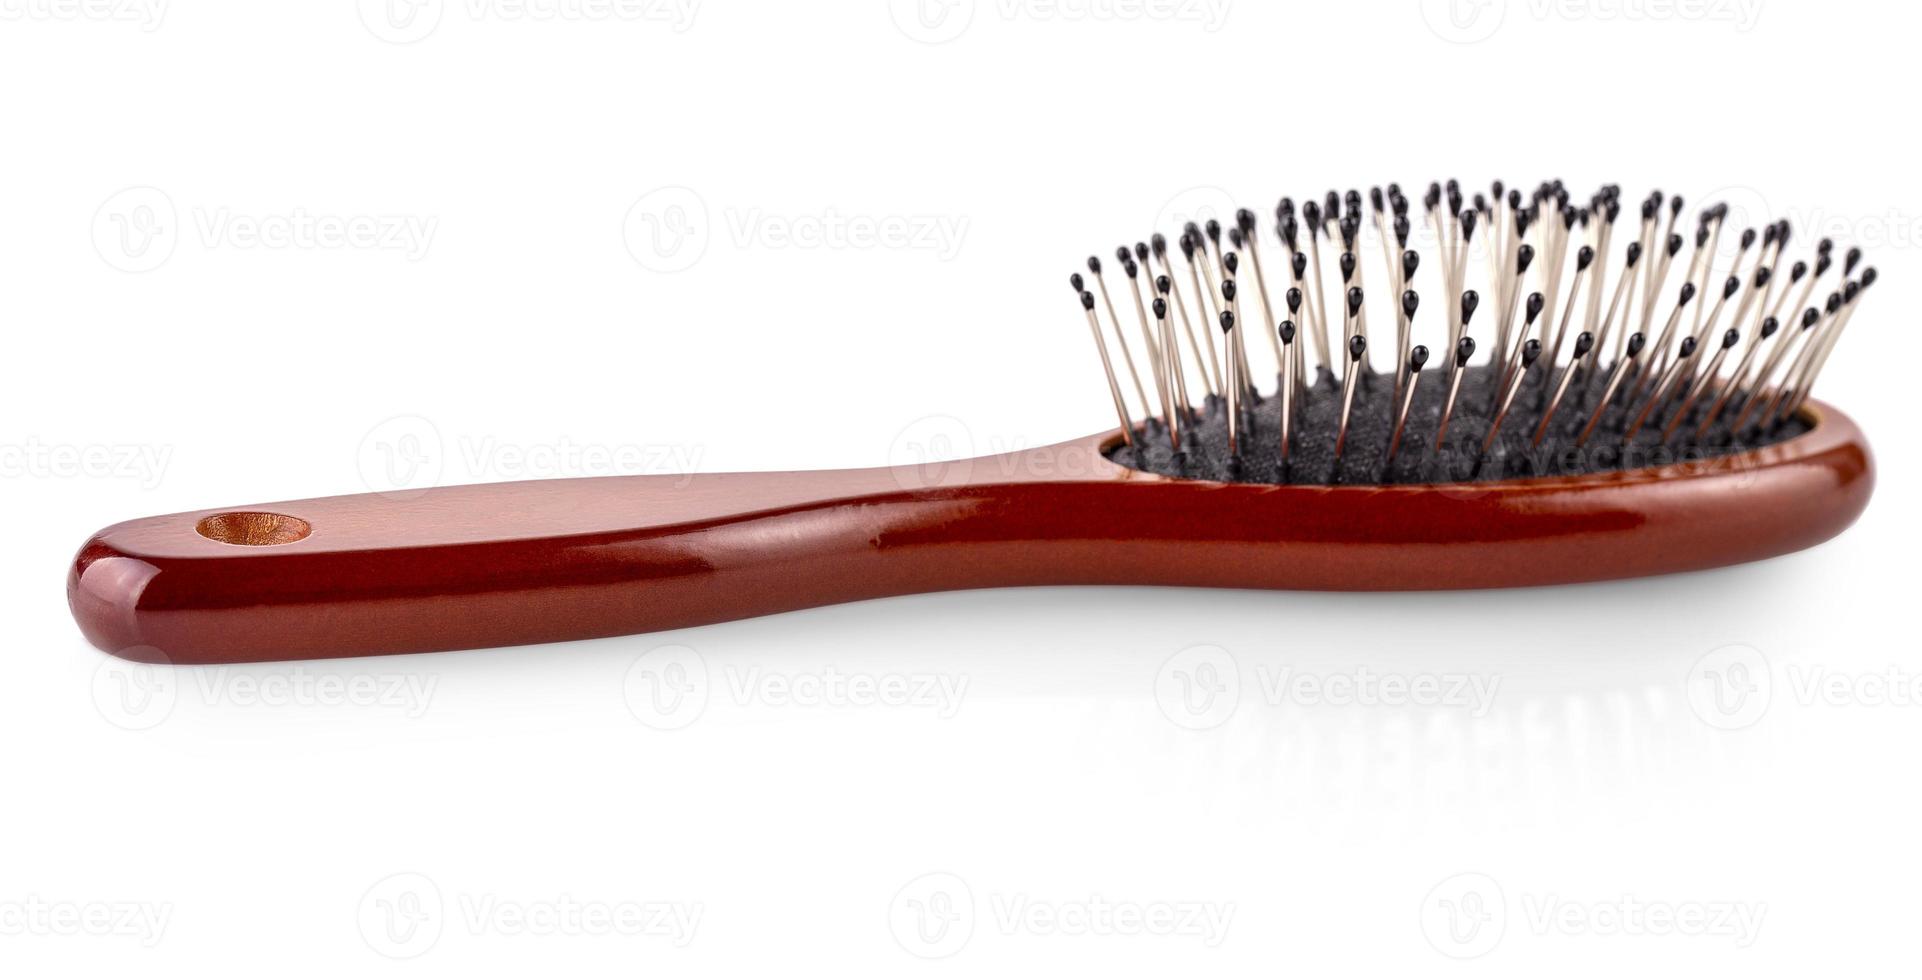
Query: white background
x,y
532,328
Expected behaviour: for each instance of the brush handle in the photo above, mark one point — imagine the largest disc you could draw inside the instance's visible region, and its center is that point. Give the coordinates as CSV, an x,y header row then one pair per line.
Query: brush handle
x,y
539,561
514,563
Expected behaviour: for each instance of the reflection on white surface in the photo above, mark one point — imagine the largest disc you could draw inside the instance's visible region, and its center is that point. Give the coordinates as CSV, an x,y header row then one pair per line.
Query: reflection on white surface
x,y
1615,775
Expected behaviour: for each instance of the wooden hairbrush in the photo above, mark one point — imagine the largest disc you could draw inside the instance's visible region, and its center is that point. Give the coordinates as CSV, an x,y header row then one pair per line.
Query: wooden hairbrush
x,y
1684,448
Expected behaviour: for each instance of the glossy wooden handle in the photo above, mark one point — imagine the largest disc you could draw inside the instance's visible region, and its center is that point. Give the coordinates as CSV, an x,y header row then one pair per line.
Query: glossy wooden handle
x,y
514,563
498,564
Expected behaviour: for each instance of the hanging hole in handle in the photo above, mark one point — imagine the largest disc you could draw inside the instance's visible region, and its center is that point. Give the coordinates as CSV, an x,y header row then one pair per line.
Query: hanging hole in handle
x,y
253,528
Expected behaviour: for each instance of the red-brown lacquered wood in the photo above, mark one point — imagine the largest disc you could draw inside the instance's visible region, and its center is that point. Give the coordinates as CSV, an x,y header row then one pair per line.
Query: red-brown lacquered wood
x,y
512,563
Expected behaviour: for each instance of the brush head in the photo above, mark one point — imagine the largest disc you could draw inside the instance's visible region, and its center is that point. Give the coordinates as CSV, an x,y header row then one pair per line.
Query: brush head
x,y
1573,378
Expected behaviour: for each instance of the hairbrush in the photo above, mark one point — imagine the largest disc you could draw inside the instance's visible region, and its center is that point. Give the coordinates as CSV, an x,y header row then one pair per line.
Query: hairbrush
x,y
1602,406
